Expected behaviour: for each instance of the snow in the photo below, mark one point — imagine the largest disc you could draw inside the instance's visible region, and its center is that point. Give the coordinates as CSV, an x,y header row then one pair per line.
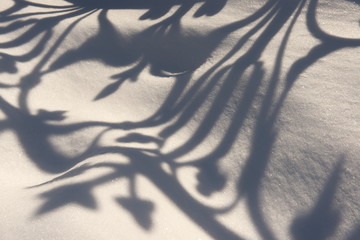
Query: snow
x,y
179,119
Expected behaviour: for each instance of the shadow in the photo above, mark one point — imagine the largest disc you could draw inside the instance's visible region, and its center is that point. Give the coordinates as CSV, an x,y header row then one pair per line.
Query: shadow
x,y
354,1
140,138
37,28
149,166
18,5
355,234
37,148
155,8
7,64
40,26
166,50
79,194
321,222
189,101
328,44
163,47
34,131
140,210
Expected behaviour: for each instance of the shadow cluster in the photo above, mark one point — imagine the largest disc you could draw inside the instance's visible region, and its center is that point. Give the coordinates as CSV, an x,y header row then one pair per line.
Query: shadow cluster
x,y
155,8
168,52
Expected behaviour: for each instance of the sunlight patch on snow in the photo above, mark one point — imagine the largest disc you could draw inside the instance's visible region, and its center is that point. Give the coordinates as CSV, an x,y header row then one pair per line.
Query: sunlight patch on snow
x,y
329,12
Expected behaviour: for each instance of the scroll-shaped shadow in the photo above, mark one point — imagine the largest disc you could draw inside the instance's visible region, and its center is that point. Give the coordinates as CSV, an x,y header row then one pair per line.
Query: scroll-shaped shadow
x,y
37,28
34,131
216,86
44,26
163,47
328,44
149,166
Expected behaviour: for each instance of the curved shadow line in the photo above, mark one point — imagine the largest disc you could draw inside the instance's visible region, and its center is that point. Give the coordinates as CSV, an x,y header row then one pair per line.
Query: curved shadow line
x,y
6,18
262,143
161,116
265,134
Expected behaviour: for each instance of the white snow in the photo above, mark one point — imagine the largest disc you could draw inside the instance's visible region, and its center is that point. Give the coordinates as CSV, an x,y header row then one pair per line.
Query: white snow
x,y
156,119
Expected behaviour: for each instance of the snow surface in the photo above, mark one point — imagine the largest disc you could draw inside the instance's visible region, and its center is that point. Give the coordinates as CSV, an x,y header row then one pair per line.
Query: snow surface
x,y
159,119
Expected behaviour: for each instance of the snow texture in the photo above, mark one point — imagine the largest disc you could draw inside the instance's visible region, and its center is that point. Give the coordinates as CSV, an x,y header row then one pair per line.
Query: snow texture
x,y
180,119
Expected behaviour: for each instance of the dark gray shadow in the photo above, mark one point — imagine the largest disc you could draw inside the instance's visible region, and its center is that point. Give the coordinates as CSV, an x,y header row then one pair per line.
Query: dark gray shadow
x,y
148,49
321,222
155,8
355,235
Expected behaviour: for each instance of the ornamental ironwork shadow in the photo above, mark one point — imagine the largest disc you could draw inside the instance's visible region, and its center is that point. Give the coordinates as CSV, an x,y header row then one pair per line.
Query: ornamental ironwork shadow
x,y
216,86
